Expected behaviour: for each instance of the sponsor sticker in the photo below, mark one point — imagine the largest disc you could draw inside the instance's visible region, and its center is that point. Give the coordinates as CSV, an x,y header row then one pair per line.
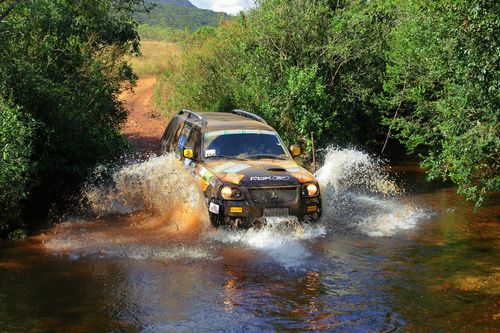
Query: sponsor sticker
x,y
311,208
233,178
236,168
229,132
236,209
203,184
210,152
303,177
223,167
267,178
203,171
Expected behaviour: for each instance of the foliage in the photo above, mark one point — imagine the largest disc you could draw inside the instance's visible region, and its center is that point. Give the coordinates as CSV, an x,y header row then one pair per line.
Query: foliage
x,y
305,65
16,134
173,2
442,69
179,17
156,32
61,62
344,70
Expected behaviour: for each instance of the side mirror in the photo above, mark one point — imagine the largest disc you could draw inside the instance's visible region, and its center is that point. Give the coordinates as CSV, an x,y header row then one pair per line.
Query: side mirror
x,y
295,150
188,153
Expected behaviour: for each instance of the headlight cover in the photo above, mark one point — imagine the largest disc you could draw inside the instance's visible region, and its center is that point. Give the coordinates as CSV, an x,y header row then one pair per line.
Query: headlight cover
x,y
310,190
231,193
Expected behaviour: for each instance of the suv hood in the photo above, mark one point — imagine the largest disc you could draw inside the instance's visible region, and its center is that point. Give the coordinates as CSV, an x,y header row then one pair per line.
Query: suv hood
x,y
256,173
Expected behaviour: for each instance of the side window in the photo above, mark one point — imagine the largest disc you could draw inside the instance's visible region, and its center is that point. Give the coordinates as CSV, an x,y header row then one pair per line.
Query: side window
x,y
171,134
177,134
181,142
194,141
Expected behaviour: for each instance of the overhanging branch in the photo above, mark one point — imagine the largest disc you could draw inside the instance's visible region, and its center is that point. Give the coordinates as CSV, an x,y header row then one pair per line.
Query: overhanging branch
x,y
8,10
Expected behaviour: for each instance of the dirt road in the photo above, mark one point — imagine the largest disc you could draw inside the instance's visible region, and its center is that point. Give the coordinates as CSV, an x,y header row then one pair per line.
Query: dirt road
x,y
144,126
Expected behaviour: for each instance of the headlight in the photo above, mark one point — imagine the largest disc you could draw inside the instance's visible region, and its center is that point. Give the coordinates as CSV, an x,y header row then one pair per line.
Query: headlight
x,y
231,193
310,190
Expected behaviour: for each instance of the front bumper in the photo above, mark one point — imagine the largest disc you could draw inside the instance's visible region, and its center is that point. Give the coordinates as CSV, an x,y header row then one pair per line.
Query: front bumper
x,y
251,211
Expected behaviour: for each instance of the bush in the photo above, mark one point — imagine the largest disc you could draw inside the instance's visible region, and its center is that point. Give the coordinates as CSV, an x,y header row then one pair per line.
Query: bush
x,y
16,134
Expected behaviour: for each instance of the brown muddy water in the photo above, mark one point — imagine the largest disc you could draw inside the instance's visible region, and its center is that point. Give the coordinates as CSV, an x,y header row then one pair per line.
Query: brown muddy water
x,y
144,259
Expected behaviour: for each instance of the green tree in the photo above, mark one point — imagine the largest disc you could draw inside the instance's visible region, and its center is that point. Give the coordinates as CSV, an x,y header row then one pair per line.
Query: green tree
x,y
442,75
306,66
179,17
348,71
61,62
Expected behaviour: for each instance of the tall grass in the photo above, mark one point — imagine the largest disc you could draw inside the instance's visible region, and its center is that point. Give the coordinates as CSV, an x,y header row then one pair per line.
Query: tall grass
x,y
157,58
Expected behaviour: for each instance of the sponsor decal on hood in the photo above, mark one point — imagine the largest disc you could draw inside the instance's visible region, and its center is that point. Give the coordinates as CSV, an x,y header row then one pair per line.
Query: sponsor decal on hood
x,y
268,178
233,178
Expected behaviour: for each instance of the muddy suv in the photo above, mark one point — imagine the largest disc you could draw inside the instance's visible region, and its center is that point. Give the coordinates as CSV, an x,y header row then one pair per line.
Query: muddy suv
x,y
242,167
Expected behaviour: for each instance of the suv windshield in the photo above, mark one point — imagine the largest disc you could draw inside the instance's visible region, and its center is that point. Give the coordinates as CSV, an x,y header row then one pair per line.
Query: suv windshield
x,y
243,144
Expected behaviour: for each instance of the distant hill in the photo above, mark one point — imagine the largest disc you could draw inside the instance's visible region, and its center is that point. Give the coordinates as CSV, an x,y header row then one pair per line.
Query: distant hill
x,y
179,15
184,3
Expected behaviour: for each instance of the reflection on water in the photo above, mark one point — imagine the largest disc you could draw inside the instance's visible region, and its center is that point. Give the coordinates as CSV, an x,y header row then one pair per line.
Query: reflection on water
x,y
379,261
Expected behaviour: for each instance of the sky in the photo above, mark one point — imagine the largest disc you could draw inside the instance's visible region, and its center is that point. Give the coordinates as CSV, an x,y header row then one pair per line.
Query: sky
x,y
228,6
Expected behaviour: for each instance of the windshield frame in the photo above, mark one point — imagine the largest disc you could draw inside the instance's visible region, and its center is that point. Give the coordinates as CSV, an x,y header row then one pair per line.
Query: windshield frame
x,y
262,132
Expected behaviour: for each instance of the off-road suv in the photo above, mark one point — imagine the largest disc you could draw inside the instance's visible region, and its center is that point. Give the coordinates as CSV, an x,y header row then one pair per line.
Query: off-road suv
x,y
242,167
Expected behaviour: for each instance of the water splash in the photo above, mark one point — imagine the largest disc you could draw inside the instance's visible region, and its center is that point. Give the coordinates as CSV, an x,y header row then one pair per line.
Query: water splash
x,y
154,210
359,195
150,209
284,241
158,184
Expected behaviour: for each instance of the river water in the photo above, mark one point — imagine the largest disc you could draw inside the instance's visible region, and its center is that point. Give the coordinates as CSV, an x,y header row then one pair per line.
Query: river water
x,y
392,254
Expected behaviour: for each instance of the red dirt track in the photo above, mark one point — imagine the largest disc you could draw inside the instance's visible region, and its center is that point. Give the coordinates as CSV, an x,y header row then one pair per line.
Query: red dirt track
x,y
144,126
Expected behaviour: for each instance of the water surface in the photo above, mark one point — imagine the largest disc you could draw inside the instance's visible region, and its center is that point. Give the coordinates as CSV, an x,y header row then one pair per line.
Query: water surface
x,y
382,259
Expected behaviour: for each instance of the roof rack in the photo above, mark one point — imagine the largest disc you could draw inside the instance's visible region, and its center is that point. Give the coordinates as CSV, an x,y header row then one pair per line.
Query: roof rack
x,y
249,115
195,115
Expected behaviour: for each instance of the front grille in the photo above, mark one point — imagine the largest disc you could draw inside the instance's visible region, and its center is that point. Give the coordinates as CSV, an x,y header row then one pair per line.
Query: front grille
x,y
272,197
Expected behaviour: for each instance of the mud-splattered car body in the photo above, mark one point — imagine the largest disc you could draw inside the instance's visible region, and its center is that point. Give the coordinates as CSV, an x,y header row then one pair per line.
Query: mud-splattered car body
x,y
242,167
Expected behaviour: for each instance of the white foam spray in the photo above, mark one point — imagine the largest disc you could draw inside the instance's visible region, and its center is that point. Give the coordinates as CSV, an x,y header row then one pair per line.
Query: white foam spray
x,y
359,195
281,239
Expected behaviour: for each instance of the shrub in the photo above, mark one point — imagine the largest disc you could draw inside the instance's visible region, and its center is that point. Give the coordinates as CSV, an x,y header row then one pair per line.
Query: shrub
x,y
16,134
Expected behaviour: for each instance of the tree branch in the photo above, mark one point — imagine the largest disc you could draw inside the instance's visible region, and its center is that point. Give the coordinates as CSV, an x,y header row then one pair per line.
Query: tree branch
x,y
7,11
393,119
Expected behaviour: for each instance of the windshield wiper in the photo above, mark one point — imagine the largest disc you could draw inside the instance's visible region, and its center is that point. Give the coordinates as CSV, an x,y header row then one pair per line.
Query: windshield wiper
x,y
267,156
